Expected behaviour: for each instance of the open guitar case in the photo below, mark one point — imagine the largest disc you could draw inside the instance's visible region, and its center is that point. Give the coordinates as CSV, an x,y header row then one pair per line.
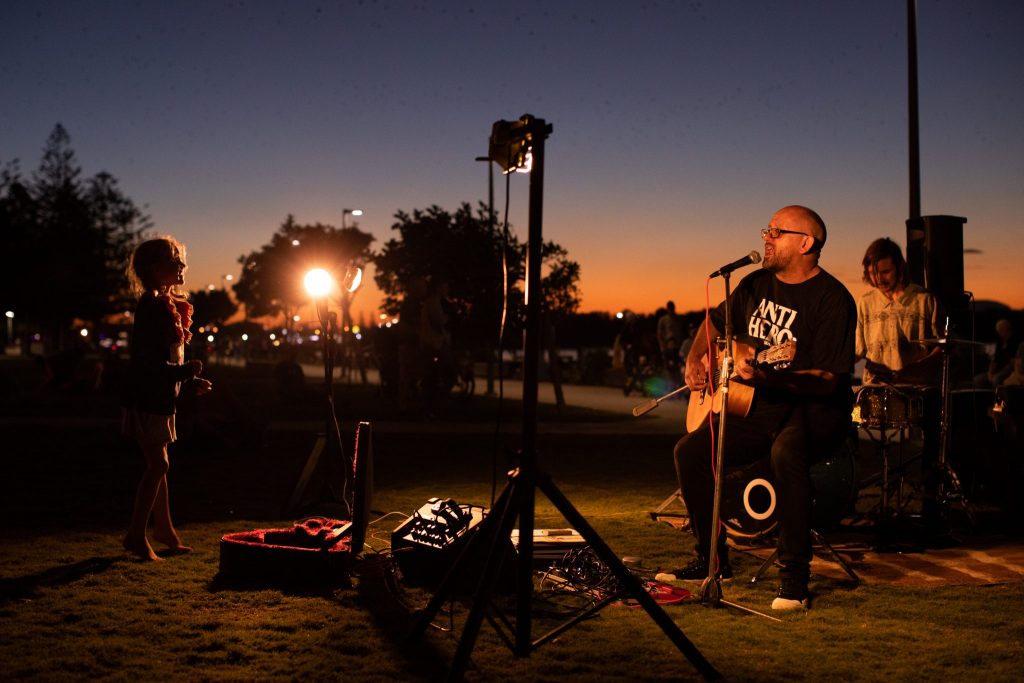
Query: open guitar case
x,y
312,550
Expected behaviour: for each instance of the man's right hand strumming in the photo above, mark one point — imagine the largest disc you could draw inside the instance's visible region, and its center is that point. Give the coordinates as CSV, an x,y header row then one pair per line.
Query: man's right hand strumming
x,y
696,375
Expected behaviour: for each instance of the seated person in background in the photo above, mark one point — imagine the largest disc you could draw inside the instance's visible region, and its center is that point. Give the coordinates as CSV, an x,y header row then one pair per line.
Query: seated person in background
x,y
1001,365
891,318
1016,378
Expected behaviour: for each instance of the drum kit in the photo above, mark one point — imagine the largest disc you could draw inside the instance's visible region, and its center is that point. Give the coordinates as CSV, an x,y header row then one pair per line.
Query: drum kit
x,y
889,411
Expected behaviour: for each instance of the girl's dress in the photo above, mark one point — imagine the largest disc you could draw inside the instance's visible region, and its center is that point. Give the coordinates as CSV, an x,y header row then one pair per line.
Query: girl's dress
x,y
156,371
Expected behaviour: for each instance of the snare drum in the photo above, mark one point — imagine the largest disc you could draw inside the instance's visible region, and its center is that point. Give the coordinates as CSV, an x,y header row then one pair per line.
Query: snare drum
x,y
888,407
749,498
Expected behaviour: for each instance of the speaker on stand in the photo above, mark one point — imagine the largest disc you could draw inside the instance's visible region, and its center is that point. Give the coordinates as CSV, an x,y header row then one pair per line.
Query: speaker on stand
x,y
935,256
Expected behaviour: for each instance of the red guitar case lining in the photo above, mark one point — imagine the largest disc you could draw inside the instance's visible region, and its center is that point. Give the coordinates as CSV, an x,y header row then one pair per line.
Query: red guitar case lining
x,y
305,552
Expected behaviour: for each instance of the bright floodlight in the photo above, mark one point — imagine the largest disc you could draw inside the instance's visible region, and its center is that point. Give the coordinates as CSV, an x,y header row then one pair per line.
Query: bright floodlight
x,y
318,283
353,278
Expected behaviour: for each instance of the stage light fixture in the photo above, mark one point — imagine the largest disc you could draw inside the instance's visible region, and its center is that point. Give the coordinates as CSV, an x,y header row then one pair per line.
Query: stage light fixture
x,y
353,278
511,144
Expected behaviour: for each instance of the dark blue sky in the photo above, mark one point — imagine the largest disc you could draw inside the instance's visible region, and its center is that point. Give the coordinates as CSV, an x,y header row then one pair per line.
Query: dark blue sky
x,y
679,127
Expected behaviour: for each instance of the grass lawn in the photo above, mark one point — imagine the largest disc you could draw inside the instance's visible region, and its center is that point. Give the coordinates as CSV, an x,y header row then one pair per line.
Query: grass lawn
x,y
73,606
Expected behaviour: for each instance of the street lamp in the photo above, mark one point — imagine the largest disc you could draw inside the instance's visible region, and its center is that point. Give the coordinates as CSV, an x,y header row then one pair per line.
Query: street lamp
x,y
346,212
10,326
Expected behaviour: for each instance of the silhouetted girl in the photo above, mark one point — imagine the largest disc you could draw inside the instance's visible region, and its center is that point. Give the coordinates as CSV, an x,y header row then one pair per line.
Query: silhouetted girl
x,y
157,369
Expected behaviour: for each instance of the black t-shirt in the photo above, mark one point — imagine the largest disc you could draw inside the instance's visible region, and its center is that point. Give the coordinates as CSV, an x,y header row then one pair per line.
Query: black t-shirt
x,y
819,314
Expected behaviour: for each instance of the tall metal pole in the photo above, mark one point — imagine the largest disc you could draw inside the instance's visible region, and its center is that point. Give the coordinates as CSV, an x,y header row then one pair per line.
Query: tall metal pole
x,y
915,226
531,373
914,156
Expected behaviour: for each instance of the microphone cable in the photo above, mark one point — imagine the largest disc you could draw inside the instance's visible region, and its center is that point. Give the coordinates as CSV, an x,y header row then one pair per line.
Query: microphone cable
x,y
501,337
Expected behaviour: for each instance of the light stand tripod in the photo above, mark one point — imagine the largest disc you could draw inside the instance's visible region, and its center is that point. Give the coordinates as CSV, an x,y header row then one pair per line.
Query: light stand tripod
x,y
518,498
329,441
711,589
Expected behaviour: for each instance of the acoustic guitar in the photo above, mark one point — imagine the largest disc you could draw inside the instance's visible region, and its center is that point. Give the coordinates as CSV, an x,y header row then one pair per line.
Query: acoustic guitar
x,y
741,396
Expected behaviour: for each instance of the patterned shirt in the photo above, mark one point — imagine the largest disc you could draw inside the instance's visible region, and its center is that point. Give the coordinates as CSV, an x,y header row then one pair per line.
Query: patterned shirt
x,y
887,329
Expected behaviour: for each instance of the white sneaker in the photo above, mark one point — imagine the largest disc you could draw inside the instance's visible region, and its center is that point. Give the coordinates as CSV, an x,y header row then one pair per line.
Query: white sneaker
x,y
792,595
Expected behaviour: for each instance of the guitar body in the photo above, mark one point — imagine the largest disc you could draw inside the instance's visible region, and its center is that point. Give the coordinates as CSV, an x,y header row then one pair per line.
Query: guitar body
x,y
741,396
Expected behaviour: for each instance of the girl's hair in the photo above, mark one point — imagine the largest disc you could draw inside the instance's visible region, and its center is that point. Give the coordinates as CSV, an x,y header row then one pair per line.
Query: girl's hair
x,y
881,249
140,269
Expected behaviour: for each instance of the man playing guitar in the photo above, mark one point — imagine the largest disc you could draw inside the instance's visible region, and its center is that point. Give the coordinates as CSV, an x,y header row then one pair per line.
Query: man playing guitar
x,y
798,414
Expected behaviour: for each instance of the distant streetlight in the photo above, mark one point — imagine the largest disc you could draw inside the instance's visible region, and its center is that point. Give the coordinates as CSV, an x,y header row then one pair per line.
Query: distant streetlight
x,y
10,326
225,279
346,212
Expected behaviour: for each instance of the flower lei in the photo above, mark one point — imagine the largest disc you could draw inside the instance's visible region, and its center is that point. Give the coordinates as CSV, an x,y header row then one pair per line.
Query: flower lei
x,y
181,311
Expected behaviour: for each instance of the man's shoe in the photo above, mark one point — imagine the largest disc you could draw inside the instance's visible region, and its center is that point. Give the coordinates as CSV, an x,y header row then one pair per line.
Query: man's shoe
x,y
792,595
696,570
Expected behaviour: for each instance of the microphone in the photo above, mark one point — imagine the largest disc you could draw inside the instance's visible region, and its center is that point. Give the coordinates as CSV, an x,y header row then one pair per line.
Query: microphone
x,y
752,257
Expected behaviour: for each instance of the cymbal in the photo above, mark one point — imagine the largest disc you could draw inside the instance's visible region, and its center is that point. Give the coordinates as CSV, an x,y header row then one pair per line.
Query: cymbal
x,y
943,341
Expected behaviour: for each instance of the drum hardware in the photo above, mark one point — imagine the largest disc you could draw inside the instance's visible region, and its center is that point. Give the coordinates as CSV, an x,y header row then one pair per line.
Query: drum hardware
x,y
950,489
899,472
888,408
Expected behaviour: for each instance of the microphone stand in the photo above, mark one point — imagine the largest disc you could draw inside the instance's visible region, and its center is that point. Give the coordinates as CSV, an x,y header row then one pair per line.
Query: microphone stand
x,y
711,589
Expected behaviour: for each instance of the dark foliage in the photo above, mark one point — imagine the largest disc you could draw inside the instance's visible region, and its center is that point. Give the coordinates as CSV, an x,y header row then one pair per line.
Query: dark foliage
x,y
66,240
271,280
211,307
465,250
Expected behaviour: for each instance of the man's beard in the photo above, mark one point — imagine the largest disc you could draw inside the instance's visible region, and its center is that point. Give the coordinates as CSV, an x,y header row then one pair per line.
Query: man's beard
x,y
775,261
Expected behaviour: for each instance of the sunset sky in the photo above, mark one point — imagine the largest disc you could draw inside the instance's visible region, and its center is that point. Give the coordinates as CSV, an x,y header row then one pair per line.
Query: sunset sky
x,y
679,127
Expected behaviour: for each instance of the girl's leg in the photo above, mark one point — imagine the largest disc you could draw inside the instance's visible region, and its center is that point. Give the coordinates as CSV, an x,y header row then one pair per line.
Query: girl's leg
x,y
163,528
155,455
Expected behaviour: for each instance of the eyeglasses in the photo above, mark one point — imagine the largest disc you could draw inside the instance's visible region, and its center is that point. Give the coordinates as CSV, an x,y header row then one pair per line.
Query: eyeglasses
x,y
775,232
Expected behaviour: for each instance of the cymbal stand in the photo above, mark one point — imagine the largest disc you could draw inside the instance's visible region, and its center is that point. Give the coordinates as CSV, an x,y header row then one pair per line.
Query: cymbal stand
x,y
950,488
711,589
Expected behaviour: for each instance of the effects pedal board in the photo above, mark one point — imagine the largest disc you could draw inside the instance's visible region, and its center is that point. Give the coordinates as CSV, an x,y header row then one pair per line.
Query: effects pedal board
x,y
426,545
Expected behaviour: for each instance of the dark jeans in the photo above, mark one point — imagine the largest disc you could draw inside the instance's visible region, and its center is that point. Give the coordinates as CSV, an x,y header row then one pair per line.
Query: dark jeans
x,y
794,438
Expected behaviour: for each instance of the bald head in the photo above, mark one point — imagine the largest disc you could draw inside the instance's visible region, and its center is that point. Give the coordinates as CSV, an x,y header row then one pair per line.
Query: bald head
x,y
804,220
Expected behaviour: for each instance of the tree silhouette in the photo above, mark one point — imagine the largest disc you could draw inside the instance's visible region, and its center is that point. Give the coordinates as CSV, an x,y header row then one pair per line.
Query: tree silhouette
x,y
67,241
271,279
465,250
211,307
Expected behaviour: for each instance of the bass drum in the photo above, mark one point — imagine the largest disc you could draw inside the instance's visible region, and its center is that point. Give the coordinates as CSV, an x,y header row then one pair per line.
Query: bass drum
x,y
749,499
